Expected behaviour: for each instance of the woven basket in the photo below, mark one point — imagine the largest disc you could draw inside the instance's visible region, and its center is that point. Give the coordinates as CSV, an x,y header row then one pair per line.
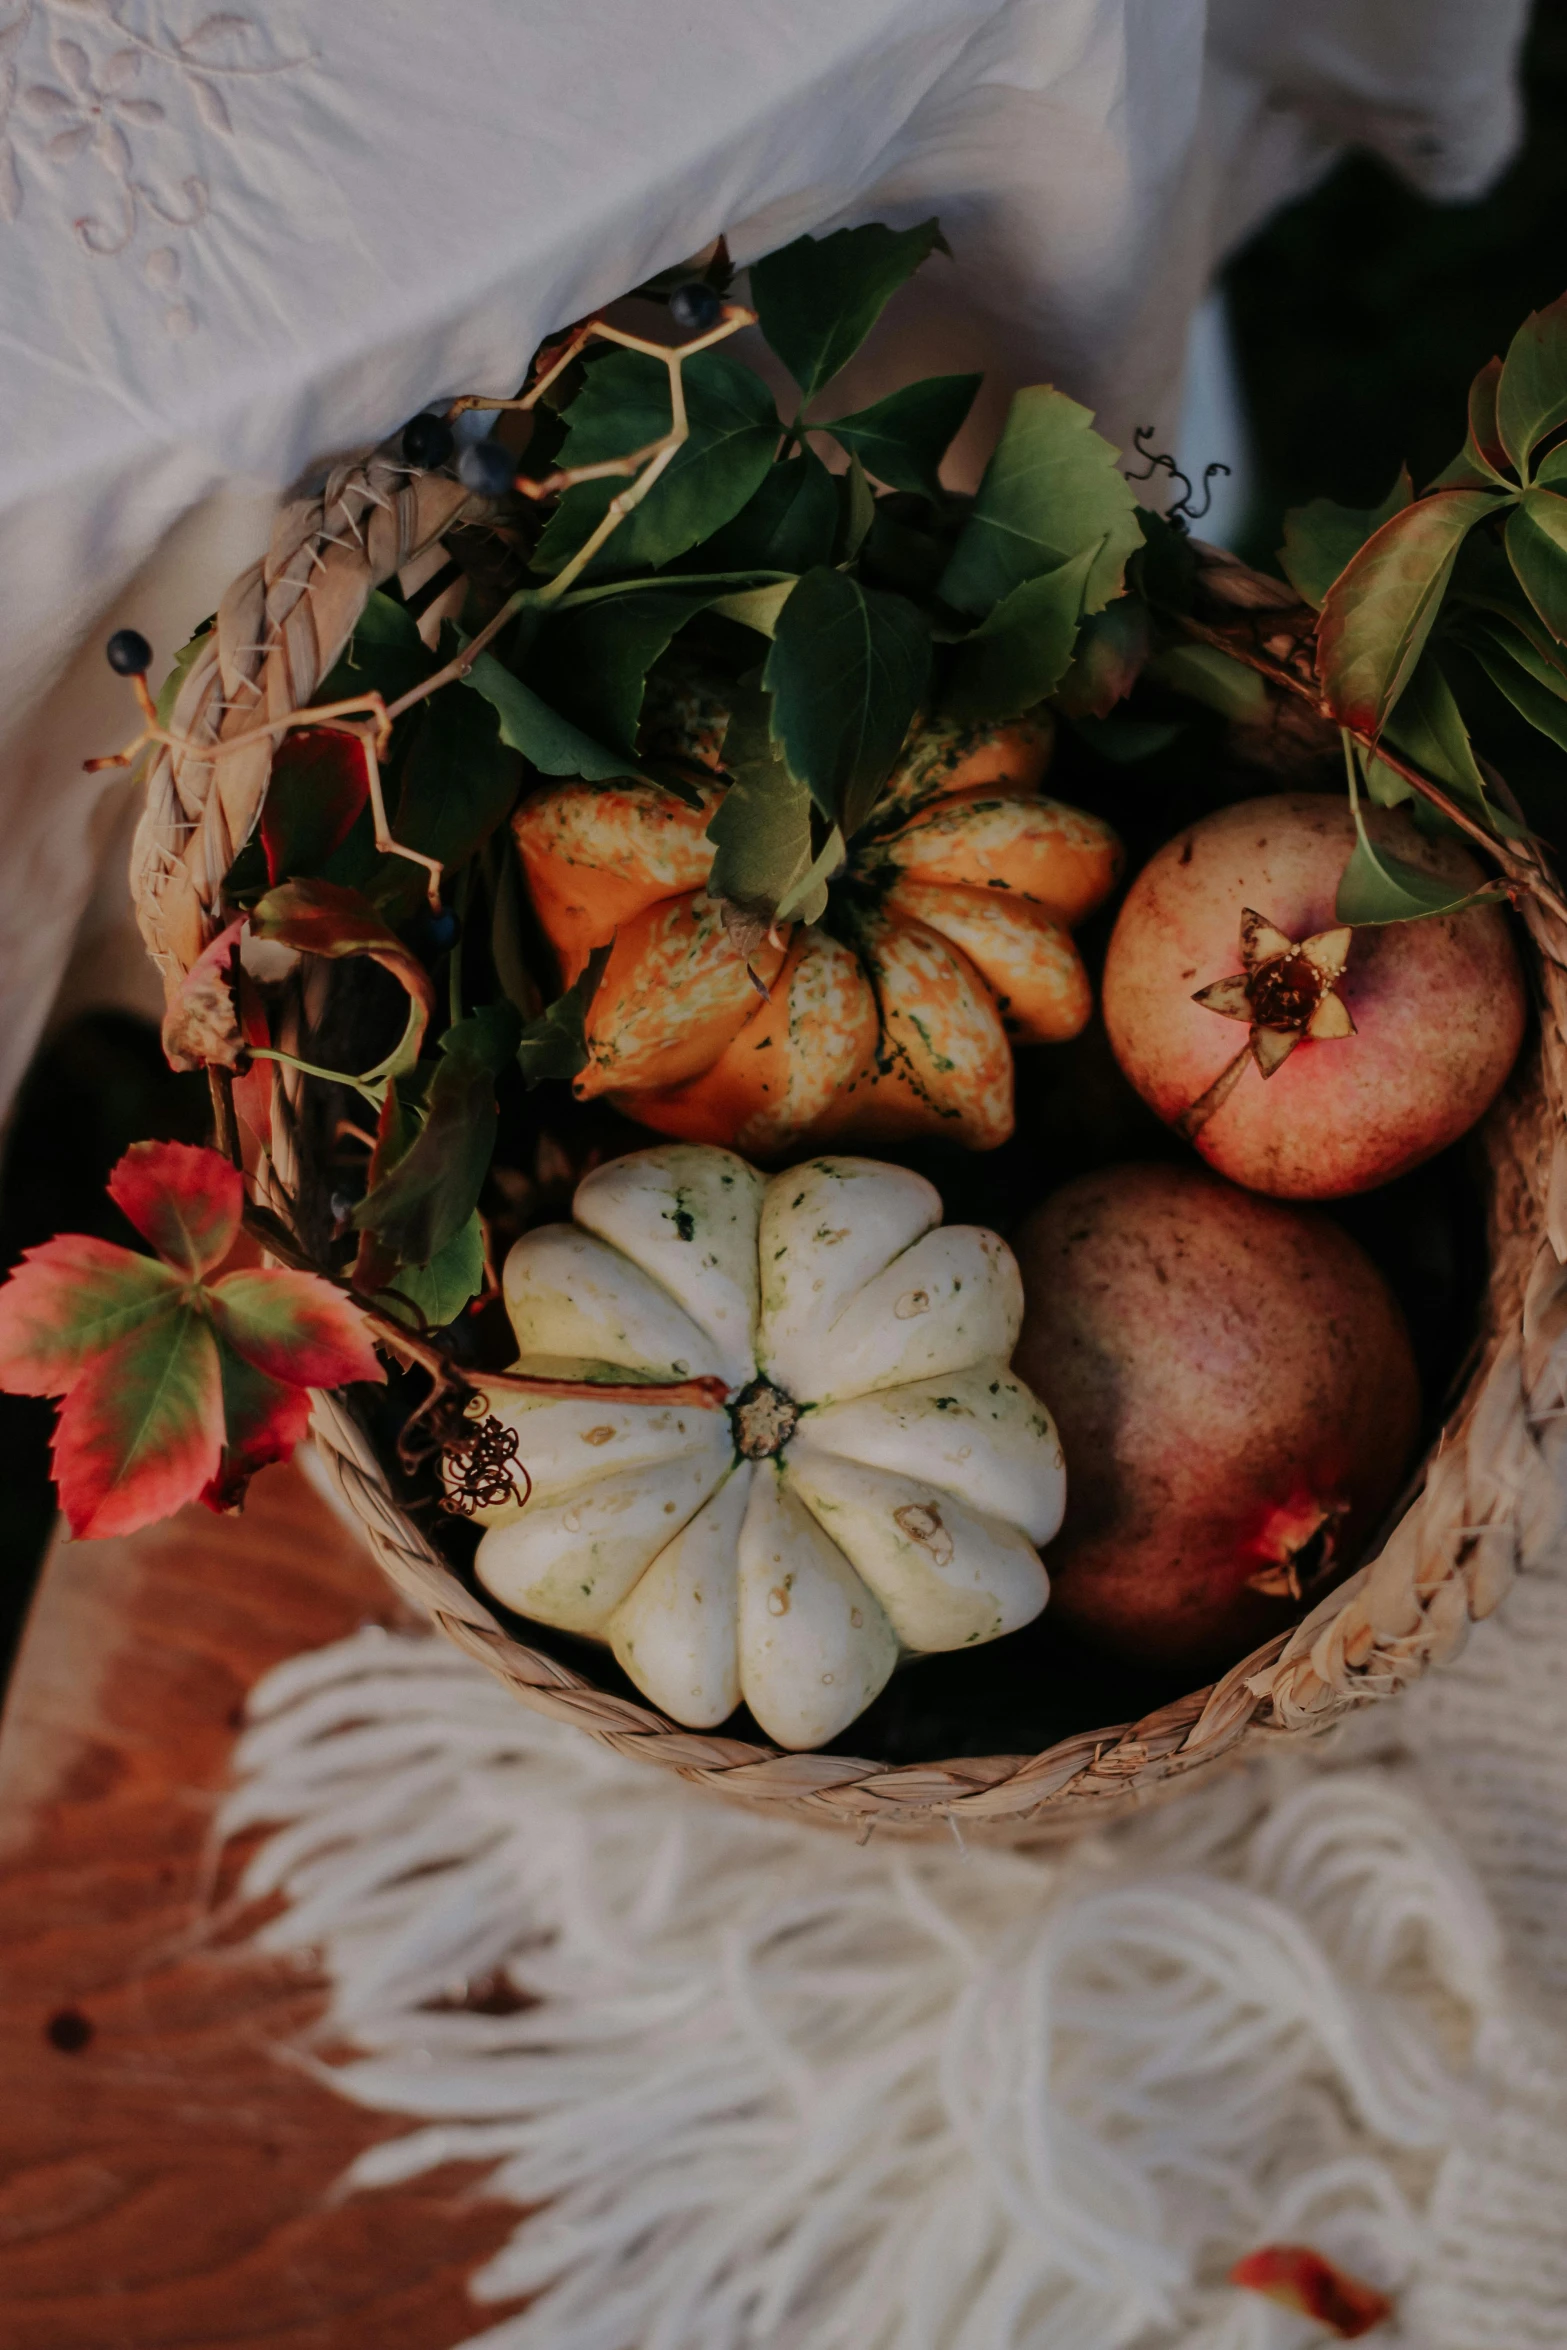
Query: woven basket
x,y
1493,1499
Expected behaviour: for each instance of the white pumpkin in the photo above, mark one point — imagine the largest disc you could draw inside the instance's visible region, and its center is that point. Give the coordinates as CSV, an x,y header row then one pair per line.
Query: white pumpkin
x,y
877,1484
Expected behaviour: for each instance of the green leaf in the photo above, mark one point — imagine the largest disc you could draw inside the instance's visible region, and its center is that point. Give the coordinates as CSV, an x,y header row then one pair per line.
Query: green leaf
x,y
757,608
859,510
593,661
169,691
454,1275
848,669
1377,888
788,524
806,899
386,654
1051,490
622,407
507,921
761,831
1552,467
902,439
460,780
554,1045
1020,653
1531,399
428,1196
547,740
1537,551
1319,539
1205,674
1428,728
1380,610
1536,690
1109,656
1481,461
818,298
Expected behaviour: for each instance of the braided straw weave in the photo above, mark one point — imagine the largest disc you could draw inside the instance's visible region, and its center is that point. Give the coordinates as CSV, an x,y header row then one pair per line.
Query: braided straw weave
x,y
281,627
1493,1494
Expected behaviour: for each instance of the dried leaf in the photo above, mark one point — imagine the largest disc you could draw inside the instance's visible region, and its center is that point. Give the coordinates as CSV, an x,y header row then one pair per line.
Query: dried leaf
x,y
201,1027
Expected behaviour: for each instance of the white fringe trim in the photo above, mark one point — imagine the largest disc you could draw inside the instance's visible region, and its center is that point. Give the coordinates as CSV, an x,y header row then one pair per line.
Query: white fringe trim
x,y
781,2093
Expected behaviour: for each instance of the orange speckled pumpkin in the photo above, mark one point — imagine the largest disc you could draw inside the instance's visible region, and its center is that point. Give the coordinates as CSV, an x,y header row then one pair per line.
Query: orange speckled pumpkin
x,y
949,934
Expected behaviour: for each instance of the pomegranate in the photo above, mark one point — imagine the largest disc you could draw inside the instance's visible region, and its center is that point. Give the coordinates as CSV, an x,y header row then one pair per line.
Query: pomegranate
x,y
1362,1052
1236,1395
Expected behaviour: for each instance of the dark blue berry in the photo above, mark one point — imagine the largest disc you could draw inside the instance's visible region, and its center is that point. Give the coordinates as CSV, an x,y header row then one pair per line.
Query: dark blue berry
x,y
695,307
437,932
427,440
486,468
129,654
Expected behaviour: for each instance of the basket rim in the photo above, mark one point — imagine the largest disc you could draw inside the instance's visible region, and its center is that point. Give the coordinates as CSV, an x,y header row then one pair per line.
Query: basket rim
x,y
1489,1497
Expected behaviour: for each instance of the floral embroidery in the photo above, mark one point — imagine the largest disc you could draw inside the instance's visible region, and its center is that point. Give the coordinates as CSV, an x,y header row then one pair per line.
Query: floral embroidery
x,y
95,113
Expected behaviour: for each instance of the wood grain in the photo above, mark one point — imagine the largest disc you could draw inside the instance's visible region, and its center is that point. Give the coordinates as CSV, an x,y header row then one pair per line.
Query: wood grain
x,y
166,2174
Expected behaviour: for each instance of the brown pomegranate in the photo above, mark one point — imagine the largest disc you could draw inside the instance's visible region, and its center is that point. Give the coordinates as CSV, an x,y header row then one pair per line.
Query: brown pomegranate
x,y
1236,1396
1301,1057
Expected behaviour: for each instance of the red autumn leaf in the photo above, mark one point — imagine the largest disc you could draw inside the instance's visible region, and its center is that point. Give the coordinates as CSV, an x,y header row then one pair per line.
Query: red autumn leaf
x,y
1380,610
188,1202
263,1420
295,1327
69,1300
141,1431
319,783
1299,2278
253,1090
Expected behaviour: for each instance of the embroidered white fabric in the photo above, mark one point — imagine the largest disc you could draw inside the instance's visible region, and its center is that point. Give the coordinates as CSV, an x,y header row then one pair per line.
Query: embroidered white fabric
x,y
764,2090
239,240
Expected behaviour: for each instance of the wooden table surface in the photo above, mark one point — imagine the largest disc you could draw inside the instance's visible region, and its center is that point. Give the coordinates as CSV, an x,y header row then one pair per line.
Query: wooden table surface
x,y
165,2175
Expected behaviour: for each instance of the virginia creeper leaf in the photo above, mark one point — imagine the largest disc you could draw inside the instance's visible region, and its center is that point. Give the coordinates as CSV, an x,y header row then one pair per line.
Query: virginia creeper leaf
x,y
1380,610
320,919
859,509
263,1420
818,298
1107,659
1377,888
761,828
184,659
1531,398
901,440
555,1044
187,1201
622,407
593,661
141,1431
847,671
788,524
1536,689
550,742
1050,491
201,1023
1020,653
295,1327
319,783
1428,728
454,1275
1482,461
1537,551
433,1189
1214,678
1552,468
69,1300
759,607
459,781
385,655
1319,539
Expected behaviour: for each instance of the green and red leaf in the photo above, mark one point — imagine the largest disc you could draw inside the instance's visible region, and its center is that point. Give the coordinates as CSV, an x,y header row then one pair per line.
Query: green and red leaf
x,y
186,1200
263,1420
1537,551
201,1027
319,784
1299,2278
1378,613
1531,394
141,1432
319,918
68,1301
295,1327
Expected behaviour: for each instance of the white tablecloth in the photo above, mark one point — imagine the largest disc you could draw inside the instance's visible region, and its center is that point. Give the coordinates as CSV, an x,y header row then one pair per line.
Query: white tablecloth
x,y
238,238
